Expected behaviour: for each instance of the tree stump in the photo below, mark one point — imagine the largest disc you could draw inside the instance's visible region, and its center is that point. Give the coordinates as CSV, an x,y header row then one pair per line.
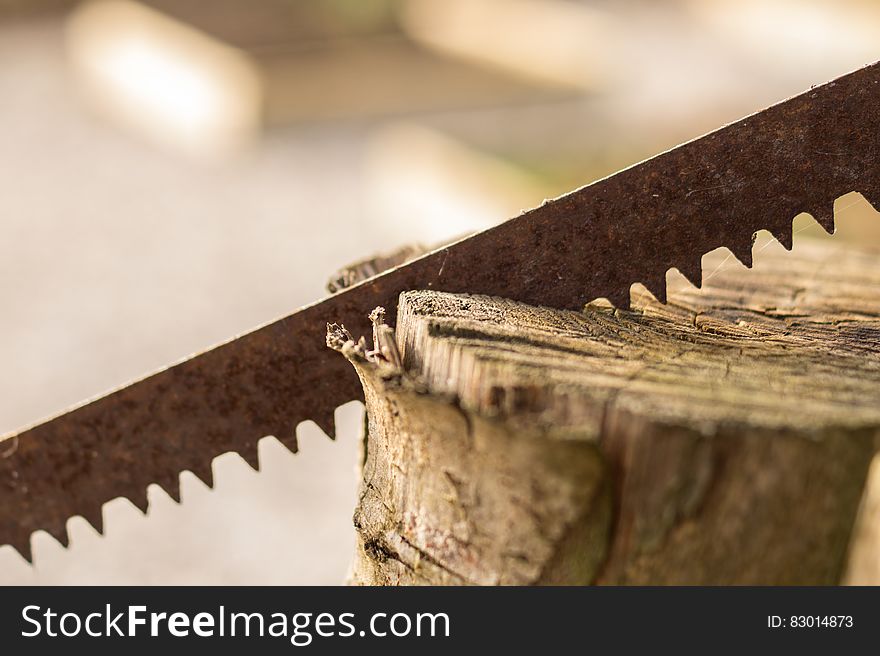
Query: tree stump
x,y
723,438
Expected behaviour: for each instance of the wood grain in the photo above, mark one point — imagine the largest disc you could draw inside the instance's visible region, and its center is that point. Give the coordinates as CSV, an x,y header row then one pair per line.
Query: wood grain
x,y
722,438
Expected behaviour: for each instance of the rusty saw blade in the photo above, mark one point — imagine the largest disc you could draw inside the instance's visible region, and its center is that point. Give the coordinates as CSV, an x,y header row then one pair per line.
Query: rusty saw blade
x,y
718,190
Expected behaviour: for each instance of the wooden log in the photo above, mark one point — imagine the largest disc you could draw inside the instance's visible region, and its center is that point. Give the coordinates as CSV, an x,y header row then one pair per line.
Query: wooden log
x,y
723,438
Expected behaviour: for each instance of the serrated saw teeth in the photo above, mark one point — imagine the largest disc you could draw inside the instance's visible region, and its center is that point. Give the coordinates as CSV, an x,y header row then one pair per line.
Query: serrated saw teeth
x,y
744,251
60,534
23,547
657,287
172,490
784,236
327,423
692,271
620,299
96,520
139,501
251,456
204,472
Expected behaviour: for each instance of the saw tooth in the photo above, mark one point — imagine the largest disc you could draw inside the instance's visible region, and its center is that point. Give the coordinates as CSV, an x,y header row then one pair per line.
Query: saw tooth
x,y
169,483
784,236
95,519
825,218
59,532
238,388
173,489
23,547
743,252
657,287
693,272
289,440
204,472
620,298
250,454
327,423
140,501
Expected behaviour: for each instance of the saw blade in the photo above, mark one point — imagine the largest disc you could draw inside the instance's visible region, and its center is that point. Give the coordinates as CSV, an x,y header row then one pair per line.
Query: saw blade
x,y
718,190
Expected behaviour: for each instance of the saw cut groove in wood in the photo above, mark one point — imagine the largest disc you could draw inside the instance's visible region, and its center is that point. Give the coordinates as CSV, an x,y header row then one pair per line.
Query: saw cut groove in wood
x,y
723,438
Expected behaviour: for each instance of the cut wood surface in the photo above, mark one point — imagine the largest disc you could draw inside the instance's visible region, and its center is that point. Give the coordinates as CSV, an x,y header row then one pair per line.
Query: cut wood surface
x,y
722,438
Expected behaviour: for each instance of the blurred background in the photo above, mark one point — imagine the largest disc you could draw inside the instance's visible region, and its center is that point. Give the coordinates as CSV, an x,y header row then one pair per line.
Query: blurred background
x,y
173,172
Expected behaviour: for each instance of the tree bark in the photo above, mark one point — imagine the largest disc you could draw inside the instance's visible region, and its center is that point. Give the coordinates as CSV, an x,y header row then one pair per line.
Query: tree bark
x,y
723,438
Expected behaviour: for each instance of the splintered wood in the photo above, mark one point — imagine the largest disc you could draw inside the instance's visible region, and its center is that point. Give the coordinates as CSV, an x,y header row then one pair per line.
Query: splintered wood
x,y
722,438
